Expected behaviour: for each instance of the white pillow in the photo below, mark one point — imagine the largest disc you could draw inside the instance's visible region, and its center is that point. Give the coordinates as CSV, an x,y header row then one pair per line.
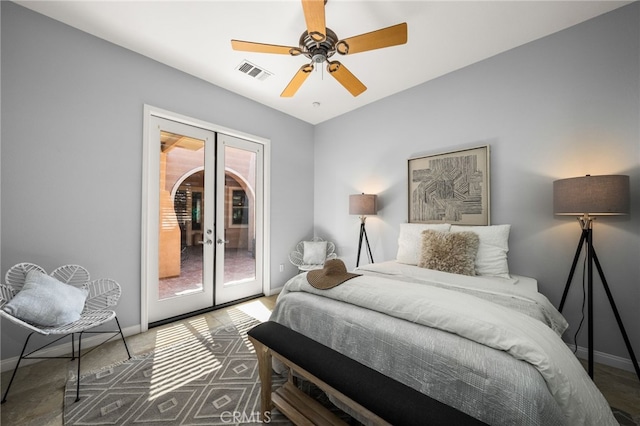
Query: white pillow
x,y
45,301
315,252
491,259
410,240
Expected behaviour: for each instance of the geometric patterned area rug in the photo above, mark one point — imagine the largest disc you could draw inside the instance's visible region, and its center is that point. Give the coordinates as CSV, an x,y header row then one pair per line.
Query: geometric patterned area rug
x,y
210,380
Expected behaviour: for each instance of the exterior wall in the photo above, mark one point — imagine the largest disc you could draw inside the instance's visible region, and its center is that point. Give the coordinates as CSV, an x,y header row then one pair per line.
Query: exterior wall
x,y
169,230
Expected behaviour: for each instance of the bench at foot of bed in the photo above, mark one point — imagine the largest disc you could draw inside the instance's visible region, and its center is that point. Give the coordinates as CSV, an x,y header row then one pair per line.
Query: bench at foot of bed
x,y
372,395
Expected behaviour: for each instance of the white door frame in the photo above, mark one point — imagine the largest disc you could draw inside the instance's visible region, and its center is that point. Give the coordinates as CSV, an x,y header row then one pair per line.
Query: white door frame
x,y
150,201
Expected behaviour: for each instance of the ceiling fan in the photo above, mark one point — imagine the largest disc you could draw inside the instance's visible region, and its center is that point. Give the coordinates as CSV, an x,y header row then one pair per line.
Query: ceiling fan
x,y
319,43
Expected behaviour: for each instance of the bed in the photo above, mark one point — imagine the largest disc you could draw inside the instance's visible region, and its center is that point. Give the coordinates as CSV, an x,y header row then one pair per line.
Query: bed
x,y
487,344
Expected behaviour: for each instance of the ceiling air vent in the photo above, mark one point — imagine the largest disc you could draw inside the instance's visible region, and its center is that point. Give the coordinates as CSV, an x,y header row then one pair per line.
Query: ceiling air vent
x,y
252,70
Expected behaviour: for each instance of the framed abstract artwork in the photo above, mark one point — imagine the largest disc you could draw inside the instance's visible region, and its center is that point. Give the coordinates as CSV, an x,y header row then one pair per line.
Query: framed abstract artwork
x,y
452,187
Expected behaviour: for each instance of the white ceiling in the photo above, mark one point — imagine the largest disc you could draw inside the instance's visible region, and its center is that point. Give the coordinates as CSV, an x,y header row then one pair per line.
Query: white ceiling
x,y
194,36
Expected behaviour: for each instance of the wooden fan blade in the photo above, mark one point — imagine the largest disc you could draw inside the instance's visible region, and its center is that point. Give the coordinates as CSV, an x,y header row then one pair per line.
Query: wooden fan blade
x,y
297,81
314,17
344,77
249,46
385,37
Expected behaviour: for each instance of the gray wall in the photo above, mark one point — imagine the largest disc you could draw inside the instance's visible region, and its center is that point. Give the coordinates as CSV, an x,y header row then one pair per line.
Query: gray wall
x,y
72,116
563,106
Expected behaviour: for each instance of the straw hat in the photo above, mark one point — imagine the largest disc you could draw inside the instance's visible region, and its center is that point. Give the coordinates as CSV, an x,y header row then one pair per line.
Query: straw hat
x,y
333,274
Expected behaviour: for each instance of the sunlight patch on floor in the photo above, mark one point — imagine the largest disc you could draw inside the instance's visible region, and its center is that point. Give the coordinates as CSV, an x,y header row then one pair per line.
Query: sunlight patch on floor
x,y
257,310
178,365
201,328
244,316
175,333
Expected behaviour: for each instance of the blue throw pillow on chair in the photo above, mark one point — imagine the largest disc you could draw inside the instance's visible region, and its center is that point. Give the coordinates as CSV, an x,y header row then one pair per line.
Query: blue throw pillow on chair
x,y
47,302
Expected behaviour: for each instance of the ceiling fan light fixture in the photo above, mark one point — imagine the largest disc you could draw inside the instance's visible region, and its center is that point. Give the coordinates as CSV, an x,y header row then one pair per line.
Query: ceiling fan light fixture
x,y
319,57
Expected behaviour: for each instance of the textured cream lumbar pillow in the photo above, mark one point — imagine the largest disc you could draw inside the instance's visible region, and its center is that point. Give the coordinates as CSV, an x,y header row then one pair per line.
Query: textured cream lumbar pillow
x,y
453,252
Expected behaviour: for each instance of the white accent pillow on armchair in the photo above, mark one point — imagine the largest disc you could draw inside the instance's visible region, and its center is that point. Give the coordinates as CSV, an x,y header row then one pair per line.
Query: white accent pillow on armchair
x,y
315,252
47,302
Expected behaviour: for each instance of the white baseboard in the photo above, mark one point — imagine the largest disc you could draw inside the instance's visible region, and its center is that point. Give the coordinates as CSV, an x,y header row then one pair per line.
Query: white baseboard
x,y
64,348
273,291
604,358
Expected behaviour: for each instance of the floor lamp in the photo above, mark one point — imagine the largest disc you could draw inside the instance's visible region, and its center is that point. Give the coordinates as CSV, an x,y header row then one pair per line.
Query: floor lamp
x,y
363,205
589,196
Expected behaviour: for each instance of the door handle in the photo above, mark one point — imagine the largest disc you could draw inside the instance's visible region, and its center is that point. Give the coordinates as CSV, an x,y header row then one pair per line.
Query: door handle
x,y
221,241
208,241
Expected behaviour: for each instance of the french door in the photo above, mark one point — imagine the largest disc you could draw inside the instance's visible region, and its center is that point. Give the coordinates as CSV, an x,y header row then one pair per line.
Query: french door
x,y
204,235
240,223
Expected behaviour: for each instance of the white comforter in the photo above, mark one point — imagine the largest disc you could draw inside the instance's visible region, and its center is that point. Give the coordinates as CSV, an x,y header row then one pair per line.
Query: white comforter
x,y
478,319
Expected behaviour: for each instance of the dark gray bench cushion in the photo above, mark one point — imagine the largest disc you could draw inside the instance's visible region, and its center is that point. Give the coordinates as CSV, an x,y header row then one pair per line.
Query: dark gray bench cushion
x,y
393,401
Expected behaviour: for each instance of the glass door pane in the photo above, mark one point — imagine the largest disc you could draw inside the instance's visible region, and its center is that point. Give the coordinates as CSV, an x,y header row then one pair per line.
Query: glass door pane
x,y
182,238
241,217
180,264
239,253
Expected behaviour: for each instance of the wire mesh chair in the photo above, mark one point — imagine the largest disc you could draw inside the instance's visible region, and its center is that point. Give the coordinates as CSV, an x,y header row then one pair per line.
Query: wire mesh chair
x,y
297,257
102,294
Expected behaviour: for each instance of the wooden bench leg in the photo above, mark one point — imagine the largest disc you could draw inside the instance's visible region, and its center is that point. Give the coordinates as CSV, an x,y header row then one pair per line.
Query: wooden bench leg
x,y
265,371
